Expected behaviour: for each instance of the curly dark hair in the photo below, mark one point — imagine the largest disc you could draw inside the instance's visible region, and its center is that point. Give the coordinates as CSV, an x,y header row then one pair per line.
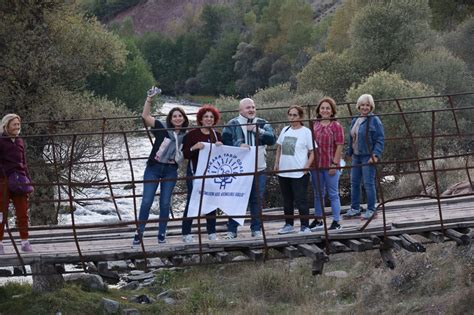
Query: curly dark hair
x,y
207,108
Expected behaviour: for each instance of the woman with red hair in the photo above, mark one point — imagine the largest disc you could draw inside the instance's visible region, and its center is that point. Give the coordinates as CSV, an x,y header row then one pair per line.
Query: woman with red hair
x,y
206,117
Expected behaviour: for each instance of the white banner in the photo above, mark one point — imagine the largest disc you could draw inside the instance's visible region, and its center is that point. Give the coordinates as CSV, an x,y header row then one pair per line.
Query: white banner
x,y
228,193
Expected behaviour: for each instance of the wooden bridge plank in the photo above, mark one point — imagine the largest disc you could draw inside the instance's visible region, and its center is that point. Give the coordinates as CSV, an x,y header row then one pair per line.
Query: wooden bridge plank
x,y
461,239
57,245
337,247
254,254
355,245
312,251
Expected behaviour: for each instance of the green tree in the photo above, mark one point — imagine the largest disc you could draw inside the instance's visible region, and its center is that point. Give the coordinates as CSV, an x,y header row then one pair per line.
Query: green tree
x,y
296,26
338,37
328,72
43,74
48,50
385,85
191,53
281,71
216,71
321,33
128,84
106,9
446,15
285,28
439,69
212,17
251,71
461,44
161,53
385,33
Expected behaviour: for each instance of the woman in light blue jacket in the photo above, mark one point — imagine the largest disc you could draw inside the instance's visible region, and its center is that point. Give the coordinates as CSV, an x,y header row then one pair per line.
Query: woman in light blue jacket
x,y
366,143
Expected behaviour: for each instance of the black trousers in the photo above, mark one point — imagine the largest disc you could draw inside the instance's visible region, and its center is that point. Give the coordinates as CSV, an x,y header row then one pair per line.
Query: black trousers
x,y
294,191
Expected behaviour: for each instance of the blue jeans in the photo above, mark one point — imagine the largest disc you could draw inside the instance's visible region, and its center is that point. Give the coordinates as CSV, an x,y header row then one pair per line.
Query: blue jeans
x,y
156,172
255,211
366,174
187,223
331,185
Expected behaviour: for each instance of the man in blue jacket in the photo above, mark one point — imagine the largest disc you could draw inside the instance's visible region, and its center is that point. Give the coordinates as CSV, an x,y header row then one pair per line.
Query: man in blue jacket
x,y
244,131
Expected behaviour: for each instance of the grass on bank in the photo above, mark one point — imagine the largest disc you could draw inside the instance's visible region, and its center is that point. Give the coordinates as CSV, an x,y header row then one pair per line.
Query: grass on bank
x,y
438,281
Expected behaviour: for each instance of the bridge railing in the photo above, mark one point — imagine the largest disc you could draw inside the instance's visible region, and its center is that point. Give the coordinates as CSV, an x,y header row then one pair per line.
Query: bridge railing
x,y
422,133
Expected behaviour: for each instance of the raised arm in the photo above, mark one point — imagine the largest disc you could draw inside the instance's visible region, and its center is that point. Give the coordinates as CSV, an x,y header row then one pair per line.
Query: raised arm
x,y
146,114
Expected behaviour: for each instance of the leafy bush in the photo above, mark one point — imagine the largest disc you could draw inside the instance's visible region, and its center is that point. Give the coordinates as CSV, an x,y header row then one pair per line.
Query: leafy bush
x,y
461,44
328,72
385,33
128,84
384,85
439,69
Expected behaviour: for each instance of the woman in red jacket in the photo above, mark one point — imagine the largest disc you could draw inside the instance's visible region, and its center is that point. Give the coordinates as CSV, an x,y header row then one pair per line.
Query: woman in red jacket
x,y
12,160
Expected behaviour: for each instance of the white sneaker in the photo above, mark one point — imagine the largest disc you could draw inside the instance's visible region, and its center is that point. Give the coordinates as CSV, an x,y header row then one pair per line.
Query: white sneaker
x,y
230,236
188,238
212,237
305,230
26,247
287,229
256,233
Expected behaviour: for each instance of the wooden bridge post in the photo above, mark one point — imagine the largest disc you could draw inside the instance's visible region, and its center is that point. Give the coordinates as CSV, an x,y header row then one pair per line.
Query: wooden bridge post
x,y
387,257
318,256
46,277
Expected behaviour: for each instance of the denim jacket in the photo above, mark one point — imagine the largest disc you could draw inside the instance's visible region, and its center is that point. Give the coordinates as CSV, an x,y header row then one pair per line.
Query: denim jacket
x,y
375,140
234,136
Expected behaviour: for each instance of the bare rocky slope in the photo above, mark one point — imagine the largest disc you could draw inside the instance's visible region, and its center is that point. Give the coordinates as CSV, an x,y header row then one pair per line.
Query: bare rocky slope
x,y
165,15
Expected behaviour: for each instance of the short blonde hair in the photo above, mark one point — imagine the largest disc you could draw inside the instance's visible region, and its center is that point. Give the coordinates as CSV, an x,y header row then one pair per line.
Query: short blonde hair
x,y
366,98
6,121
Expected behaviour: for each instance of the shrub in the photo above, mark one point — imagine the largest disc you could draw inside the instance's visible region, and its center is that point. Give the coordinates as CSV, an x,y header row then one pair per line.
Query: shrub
x,y
384,85
329,73
460,42
439,69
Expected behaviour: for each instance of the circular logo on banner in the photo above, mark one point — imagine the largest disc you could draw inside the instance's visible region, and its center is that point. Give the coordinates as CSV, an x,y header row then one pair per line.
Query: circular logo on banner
x,y
226,165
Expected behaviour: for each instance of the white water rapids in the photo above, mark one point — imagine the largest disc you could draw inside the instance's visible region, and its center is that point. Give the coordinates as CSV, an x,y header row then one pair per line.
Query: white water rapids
x,y
98,211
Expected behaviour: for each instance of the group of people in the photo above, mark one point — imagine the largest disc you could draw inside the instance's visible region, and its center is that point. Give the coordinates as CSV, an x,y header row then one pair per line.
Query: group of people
x,y
321,151
301,153
172,144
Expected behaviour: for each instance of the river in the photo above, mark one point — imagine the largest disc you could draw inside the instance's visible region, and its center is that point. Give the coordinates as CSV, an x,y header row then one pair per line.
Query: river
x,y
99,211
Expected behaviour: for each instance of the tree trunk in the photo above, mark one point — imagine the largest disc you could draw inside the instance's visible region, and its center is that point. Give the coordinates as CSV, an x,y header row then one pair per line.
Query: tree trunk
x,y
41,213
45,276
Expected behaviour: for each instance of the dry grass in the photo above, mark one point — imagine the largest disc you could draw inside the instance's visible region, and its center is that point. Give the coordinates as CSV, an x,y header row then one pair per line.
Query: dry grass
x,y
447,176
438,281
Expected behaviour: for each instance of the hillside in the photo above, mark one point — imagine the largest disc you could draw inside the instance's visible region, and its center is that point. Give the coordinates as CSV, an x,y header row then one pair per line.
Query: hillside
x,y
165,16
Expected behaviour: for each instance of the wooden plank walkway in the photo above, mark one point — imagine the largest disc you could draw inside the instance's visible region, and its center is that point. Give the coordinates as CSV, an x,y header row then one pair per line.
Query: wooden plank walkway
x,y
410,224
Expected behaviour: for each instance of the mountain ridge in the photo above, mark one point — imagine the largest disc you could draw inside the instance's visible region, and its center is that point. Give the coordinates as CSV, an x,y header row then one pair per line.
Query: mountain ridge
x,y
168,16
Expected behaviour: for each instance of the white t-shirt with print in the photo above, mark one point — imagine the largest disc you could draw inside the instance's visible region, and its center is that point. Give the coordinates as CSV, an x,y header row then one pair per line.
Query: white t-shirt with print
x,y
295,144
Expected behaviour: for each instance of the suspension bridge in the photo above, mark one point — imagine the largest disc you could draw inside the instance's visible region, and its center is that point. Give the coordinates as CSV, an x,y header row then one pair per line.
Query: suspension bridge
x,y
407,222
